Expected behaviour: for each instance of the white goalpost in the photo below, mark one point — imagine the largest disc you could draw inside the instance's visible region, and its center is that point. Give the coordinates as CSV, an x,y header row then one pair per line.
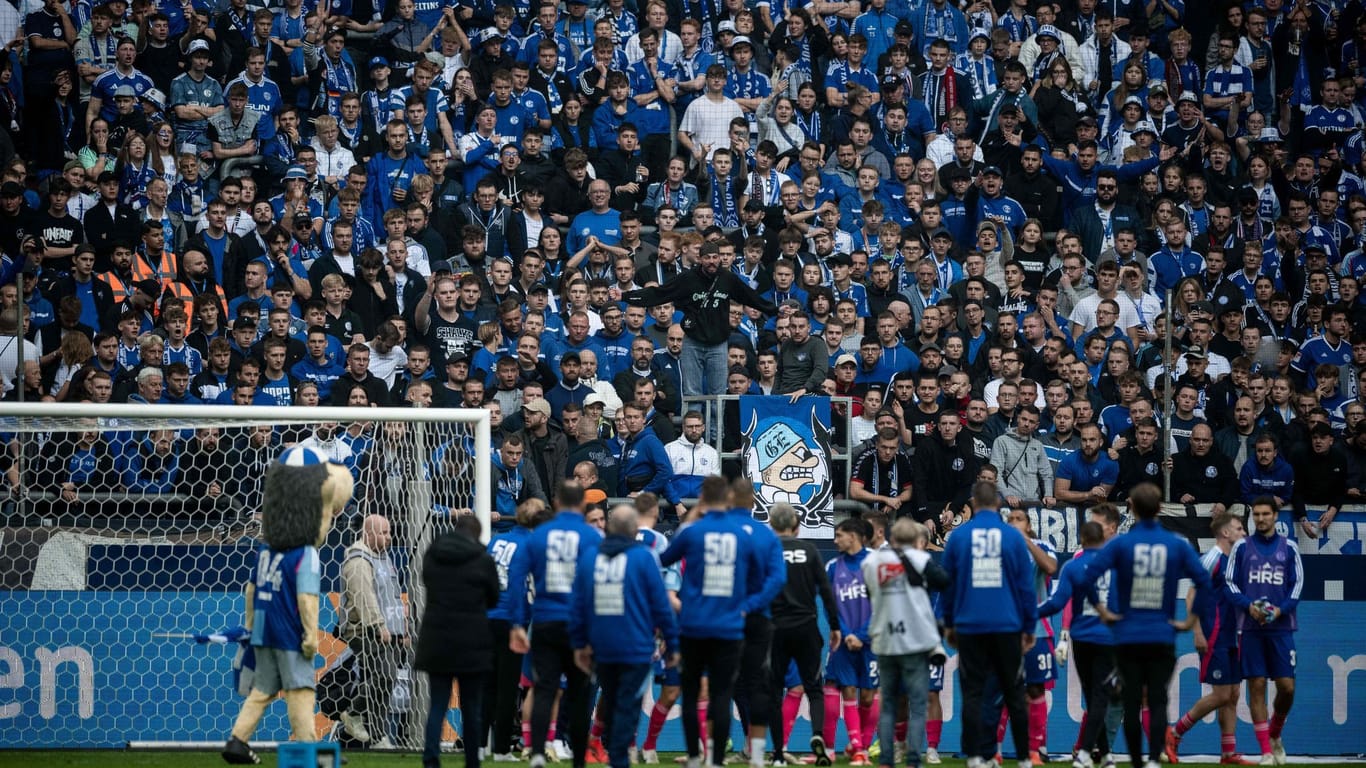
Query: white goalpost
x,y
128,530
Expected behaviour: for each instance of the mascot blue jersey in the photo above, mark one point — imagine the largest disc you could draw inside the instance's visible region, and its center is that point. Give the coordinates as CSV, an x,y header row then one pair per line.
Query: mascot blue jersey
x,y
280,578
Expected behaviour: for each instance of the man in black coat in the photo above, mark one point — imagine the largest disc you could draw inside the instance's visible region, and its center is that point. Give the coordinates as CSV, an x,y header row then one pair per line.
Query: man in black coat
x,y
110,221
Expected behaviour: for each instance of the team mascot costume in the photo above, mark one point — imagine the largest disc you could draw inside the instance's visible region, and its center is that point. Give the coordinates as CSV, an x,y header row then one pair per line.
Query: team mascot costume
x,y
303,492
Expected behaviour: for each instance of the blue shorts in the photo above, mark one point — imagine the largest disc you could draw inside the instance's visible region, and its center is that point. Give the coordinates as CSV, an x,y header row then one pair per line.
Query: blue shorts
x,y
936,677
667,676
1267,654
852,669
1219,666
1038,662
792,679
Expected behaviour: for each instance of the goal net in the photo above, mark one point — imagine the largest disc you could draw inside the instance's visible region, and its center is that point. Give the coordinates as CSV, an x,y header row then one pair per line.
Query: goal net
x,y
130,531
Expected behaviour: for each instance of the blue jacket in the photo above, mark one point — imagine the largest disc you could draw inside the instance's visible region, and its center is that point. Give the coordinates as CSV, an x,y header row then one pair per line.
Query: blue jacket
x,y
1071,587
619,602
1079,188
1278,481
768,580
715,591
502,549
644,459
988,551
1148,563
550,556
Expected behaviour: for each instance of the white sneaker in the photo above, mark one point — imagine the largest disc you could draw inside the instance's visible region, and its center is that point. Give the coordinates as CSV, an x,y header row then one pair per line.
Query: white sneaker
x,y
1110,760
506,757
383,743
355,725
899,753
1082,759
1267,759
649,756
632,754
1152,764
931,756
537,761
693,762
974,762
562,750
1278,751
1026,763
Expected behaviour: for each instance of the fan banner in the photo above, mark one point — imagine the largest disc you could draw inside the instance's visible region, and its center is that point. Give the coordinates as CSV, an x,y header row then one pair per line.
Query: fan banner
x,y
784,451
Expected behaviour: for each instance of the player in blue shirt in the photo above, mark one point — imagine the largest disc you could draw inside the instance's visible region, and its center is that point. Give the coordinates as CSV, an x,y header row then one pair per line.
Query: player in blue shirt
x,y
754,688
1148,563
551,556
507,664
1091,643
990,610
851,681
716,598
620,602
1216,640
1264,578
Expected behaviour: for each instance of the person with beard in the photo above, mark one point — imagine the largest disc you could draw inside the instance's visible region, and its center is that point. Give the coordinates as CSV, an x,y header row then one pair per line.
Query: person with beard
x,y
975,417
943,465
919,421
1087,476
704,294
1062,440
1004,145
1140,461
1097,223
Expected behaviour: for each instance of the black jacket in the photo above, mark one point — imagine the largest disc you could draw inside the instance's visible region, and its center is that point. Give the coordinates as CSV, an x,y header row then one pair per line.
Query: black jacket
x,y
462,585
704,301
1209,478
940,472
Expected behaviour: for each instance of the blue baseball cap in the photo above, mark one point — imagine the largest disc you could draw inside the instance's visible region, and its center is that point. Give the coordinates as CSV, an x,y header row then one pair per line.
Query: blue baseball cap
x,y
296,172
379,61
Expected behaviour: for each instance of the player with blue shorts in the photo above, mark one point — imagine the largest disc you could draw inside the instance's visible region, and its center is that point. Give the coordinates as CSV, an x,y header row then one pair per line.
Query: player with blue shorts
x,y
851,681
1216,639
1039,668
1264,578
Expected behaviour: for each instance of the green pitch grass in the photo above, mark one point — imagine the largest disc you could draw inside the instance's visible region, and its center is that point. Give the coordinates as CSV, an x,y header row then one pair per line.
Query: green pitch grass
x,y
154,759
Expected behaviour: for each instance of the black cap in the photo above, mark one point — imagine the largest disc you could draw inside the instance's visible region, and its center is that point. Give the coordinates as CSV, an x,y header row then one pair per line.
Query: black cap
x,y
891,83
149,286
1196,351
244,321
1203,306
11,189
1320,430
1316,247
956,172
302,218
904,27
570,357
1248,194
941,232
839,259
106,177
441,265
992,170
931,347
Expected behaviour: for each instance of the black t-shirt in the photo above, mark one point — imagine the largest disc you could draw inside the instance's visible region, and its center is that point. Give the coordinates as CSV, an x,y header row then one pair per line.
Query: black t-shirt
x,y
447,338
59,232
48,26
880,479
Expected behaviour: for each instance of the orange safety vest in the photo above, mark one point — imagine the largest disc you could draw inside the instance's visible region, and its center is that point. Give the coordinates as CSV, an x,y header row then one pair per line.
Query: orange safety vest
x,y
181,291
122,291
164,272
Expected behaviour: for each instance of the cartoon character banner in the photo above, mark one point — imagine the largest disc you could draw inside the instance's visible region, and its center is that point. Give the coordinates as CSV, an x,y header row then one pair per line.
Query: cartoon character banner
x,y
786,452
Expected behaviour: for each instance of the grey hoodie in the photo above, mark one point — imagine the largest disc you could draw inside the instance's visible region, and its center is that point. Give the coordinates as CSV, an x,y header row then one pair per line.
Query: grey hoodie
x,y
1023,466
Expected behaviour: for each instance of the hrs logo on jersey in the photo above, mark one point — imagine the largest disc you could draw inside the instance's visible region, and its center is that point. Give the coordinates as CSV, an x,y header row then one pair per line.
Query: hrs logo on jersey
x,y
1267,574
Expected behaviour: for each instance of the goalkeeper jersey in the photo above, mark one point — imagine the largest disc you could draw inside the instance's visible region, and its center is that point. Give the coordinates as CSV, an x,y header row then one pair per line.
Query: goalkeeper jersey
x,y
280,578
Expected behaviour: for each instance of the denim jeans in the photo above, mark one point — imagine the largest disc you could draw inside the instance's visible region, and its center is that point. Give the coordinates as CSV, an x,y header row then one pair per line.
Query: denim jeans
x,y
908,675
471,716
622,690
701,361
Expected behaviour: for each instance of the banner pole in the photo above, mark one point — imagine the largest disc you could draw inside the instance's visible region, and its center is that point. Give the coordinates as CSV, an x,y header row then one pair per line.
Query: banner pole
x,y
1169,368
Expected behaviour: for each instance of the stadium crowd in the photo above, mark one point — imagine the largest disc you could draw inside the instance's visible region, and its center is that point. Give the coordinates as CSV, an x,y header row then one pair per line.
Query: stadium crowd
x,y
982,221
577,216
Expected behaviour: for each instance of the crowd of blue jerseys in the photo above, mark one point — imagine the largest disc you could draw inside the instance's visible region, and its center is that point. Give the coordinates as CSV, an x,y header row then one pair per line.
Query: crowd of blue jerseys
x,y
1199,153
